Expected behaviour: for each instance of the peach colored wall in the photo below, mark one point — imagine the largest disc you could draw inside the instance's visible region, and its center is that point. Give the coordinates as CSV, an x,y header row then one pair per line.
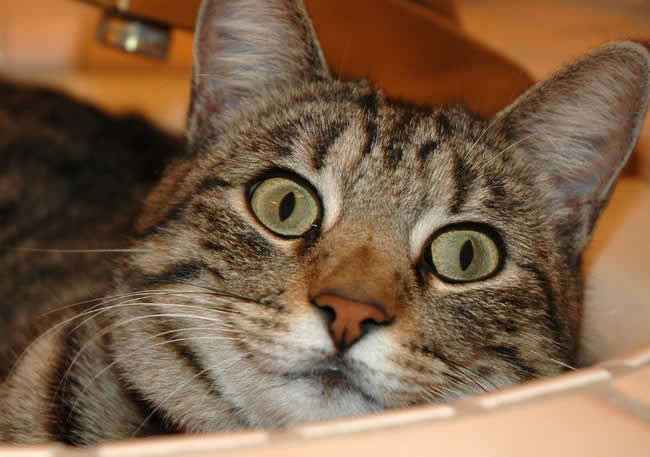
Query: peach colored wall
x,y
59,34
40,39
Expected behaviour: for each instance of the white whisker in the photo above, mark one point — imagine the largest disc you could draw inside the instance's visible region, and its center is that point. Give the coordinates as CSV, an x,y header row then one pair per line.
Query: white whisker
x,y
81,251
112,327
134,303
140,349
516,143
562,364
490,125
110,298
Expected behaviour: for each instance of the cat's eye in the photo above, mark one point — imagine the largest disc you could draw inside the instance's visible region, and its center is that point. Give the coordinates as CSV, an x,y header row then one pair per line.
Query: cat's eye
x,y
462,254
286,206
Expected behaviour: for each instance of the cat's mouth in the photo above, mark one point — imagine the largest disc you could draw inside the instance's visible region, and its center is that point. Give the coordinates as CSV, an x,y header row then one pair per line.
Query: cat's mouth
x,y
332,372
329,379
333,378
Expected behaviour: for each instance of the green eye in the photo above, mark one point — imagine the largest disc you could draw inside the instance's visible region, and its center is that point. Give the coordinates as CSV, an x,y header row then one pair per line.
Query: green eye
x,y
463,255
285,206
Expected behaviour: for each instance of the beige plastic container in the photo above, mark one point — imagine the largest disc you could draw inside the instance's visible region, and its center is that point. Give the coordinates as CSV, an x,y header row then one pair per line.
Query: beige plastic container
x,y
599,411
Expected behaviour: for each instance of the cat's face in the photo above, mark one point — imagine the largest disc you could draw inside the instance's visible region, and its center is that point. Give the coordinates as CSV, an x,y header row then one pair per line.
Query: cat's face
x,y
323,251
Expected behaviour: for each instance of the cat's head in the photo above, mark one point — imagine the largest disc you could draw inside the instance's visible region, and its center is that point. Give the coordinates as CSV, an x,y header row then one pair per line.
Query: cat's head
x,y
324,251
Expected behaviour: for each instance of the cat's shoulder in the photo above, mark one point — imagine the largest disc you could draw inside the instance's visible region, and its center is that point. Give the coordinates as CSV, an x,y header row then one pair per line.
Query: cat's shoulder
x,y
71,180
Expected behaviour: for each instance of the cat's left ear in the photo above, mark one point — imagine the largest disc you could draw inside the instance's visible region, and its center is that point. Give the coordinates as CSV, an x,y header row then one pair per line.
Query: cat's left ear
x,y
578,128
244,48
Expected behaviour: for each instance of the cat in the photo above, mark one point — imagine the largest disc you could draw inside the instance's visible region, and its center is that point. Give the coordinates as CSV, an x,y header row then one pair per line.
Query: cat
x,y
314,250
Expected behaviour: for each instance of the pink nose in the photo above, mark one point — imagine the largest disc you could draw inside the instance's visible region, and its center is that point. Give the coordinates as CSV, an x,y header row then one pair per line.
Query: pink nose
x,y
346,327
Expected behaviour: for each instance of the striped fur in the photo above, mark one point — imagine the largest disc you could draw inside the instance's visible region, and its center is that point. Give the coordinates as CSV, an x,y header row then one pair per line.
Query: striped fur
x,y
209,322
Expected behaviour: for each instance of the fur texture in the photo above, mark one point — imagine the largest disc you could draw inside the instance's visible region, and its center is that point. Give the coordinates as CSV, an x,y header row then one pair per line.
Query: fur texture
x,y
211,322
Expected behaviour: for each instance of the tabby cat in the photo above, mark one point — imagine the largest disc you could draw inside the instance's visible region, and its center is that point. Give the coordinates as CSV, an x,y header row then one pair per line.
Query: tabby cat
x,y
314,250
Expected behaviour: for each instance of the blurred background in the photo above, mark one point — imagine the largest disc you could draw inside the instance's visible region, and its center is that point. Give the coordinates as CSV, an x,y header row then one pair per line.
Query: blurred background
x,y
53,42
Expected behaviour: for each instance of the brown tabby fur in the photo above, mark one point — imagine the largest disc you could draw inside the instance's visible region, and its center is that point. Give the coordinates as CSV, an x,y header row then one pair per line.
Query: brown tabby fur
x,y
210,322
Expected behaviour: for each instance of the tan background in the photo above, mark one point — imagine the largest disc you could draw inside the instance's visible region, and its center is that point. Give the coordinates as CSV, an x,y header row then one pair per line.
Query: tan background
x,y
52,41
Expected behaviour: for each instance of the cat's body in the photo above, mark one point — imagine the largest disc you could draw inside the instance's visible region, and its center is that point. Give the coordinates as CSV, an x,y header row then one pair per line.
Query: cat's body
x,y
322,251
72,177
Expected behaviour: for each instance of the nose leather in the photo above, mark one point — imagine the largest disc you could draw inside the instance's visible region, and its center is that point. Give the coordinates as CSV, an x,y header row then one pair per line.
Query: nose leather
x,y
346,327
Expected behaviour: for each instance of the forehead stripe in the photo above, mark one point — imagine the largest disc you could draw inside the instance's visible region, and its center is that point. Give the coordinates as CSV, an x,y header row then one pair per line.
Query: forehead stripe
x,y
324,141
464,177
426,149
369,105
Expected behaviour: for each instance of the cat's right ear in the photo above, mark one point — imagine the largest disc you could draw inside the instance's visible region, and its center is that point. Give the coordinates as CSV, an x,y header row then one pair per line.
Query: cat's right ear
x,y
576,130
242,49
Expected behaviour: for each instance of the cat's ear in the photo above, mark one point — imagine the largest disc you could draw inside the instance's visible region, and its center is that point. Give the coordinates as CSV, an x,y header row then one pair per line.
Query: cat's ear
x,y
242,49
578,128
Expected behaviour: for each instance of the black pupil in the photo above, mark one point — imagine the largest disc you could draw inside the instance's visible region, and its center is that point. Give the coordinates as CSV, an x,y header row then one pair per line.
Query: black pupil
x,y
287,206
466,255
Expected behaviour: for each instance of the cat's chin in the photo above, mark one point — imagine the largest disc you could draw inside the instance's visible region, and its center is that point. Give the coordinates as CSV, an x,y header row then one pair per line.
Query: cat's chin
x,y
332,380
329,393
315,395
